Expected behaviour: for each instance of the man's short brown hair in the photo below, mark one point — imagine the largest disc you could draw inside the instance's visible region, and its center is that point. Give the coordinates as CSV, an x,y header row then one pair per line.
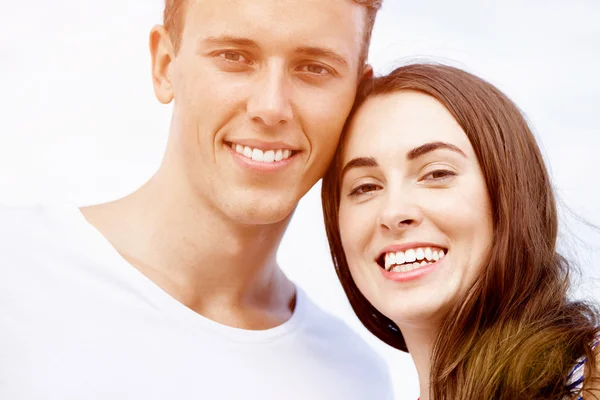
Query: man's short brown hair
x,y
174,14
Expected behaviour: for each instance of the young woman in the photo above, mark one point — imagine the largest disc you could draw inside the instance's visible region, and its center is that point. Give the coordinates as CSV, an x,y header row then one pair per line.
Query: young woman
x,y
443,225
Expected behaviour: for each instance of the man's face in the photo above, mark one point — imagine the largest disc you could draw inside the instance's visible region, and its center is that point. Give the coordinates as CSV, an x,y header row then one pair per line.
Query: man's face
x,y
261,92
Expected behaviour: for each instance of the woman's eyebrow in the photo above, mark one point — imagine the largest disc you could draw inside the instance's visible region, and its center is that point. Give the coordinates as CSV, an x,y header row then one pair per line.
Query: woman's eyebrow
x,y
359,162
432,146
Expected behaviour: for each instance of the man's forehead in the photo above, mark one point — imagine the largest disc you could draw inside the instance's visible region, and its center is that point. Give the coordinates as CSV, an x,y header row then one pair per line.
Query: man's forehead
x,y
311,22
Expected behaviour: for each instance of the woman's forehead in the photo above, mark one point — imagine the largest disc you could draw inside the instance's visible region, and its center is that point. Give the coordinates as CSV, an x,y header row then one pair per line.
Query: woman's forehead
x,y
401,121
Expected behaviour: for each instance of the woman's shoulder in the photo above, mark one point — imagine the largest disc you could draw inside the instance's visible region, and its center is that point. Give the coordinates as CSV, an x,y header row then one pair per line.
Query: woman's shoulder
x,y
579,373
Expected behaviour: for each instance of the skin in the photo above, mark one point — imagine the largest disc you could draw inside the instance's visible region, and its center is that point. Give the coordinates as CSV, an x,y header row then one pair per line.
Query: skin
x,y
206,227
439,197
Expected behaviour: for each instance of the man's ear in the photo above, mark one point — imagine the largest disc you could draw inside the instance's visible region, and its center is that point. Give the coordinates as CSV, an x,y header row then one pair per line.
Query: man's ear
x,y
161,50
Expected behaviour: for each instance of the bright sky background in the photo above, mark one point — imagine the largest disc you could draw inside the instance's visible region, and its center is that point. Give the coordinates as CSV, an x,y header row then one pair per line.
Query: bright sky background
x,y
79,122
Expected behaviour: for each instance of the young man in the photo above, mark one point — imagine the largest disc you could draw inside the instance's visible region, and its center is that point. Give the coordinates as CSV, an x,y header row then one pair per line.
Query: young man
x,y
174,291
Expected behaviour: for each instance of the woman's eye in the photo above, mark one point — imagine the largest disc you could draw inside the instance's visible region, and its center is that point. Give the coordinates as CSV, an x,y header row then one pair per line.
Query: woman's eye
x,y
439,175
364,189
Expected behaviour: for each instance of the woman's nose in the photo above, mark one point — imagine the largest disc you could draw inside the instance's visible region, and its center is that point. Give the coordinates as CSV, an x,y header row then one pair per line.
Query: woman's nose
x,y
399,214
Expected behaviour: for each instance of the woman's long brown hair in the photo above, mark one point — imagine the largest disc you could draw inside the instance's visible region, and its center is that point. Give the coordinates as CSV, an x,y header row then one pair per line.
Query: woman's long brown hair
x,y
515,334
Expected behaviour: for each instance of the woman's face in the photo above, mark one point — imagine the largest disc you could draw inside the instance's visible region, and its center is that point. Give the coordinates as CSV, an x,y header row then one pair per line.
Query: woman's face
x,y
415,217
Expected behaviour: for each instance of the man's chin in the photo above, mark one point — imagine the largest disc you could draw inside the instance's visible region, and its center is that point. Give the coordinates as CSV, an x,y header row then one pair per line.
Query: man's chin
x,y
262,212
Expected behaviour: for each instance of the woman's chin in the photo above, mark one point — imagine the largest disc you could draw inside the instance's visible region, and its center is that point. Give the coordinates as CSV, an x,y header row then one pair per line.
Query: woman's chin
x,y
417,315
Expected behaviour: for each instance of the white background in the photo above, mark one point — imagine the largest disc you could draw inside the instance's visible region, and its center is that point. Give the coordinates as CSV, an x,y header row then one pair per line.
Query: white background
x,y
79,122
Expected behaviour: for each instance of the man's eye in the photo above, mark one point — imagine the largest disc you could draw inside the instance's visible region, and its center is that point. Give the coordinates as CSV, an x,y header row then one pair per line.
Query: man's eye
x,y
316,69
233,56
363,189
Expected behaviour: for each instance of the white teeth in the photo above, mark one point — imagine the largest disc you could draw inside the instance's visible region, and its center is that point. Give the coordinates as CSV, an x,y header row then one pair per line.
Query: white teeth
x,y
407,267
267,156
390,259
428,254
404,261
420,254
400,259
257,155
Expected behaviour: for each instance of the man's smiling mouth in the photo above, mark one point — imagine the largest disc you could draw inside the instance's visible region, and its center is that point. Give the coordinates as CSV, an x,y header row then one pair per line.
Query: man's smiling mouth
x,y
262,155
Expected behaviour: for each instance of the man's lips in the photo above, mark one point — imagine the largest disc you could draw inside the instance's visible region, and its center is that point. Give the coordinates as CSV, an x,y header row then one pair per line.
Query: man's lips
x,y
270,153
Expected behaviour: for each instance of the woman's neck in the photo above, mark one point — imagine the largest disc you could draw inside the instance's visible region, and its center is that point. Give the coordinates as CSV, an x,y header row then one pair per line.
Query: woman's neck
x,y
420,340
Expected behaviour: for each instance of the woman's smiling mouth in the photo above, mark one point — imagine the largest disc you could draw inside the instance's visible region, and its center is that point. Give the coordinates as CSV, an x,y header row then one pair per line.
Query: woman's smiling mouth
x,y
401,263
404,261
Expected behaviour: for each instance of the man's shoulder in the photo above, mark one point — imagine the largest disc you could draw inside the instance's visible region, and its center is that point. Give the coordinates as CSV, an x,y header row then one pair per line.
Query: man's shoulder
x,y
347,352
15,217
339,336
28,224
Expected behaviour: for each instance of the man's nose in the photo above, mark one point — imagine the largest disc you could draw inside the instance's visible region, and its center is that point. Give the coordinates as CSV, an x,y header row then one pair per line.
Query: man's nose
x,y
269,103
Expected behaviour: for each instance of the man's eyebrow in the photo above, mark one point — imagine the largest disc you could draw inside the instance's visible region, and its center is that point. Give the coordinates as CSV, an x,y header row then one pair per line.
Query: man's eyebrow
x,y
229,40
359,162
429,147
245,42
322,52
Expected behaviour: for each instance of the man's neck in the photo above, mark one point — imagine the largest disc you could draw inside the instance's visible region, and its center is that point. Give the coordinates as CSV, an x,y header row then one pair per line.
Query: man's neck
x,y
217,267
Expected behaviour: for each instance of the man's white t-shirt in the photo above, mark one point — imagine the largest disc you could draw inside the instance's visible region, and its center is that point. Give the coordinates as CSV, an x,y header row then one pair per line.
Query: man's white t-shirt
x,y
78,322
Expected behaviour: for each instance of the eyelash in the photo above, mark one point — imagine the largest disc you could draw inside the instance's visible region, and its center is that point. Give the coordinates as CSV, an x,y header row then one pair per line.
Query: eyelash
x,y
222,55
327,71
359,190
447,174
367,188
